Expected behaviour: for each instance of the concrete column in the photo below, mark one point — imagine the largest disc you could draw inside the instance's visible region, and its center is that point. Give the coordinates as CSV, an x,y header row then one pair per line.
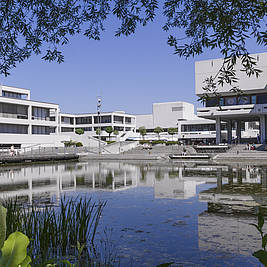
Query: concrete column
x,y
219,180
238,131
229,131
30,119
239,175
218,130
264,177
230,176
263,129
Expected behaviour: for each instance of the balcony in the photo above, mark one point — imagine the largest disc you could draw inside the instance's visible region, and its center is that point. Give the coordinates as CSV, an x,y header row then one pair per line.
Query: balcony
x,y
14,116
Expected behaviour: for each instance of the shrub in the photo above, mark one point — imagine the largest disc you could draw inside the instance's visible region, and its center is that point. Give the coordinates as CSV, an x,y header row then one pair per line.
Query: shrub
x,y
110,142
141,142
169,143
79,144
69,143
79,131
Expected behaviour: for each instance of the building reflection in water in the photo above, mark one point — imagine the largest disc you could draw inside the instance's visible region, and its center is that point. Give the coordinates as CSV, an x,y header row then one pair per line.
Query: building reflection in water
x,y
232,207
42,183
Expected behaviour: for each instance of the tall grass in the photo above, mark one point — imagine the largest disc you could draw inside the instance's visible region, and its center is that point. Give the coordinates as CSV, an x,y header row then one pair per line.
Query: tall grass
x,y
67,231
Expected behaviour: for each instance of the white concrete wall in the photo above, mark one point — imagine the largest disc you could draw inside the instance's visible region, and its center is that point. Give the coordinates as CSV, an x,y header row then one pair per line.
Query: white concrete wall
x,y
144,120
52,140
207,68
167,114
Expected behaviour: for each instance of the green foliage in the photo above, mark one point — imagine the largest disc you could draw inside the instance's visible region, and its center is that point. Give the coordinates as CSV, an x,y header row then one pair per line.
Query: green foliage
x,y
55,231
141,142
79,131
172,131
98,131
2,225
79,144
158,130
110,142
43,27
116,132
261,254
109,130
170,143
142,131
69,143
14,251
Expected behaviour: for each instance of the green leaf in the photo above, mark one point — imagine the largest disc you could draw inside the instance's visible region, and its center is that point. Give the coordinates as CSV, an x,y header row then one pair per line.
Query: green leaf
x,y
264,241
2,225
14,251
262,256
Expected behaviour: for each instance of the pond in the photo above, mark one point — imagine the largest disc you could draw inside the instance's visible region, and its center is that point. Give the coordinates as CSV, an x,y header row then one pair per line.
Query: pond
x,y
192,214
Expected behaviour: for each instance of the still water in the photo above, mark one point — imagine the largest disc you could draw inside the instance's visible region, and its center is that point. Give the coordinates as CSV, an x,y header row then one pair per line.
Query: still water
x,y
192,214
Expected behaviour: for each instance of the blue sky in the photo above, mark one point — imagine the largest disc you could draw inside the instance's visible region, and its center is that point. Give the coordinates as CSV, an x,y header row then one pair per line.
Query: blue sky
x,y
130,73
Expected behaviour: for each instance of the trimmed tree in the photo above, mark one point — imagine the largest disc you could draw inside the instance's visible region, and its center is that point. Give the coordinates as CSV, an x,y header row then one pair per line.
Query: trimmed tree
x,y
79,131
98,131
158,130
109,130
142,131
172,131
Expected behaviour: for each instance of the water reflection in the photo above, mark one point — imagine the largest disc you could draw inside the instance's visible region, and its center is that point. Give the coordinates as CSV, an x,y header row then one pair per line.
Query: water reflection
x,y
232,205
216,219
44,182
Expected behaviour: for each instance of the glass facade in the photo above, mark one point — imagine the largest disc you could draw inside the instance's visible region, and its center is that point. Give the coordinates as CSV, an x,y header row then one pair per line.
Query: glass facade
x,y
67,130
13,111
13,95
118,119
67,120
198,127
237,100
13,128
40,113
84,120
103,119
42,129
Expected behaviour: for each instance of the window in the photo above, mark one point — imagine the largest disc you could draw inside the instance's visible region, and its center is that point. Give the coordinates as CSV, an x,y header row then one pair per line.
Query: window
x,y
253,99
42,130
230,101
243,100
13,128
84,120
221,101
177,109
40,113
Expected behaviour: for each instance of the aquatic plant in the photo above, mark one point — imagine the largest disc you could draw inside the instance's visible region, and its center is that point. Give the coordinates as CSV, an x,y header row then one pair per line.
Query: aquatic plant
x,y
66,232
261,254
14,249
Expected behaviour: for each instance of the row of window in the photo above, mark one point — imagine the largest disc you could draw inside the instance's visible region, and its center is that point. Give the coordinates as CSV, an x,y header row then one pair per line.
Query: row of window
x,y
236,100
14,95
101,119
23,129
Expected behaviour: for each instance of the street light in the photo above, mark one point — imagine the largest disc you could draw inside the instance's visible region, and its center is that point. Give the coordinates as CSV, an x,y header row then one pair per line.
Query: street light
x,y
99,125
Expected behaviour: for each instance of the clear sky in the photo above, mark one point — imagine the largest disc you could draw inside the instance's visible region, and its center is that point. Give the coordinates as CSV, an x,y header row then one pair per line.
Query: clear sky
x,y
130,73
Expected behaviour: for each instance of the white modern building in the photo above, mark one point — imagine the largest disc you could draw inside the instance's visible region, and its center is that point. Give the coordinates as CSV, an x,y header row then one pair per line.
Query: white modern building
x,y
251,107
178,115
25,123
90,122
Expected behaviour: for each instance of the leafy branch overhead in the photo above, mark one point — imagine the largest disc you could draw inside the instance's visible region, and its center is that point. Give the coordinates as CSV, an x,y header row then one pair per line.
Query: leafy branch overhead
x,y
43,27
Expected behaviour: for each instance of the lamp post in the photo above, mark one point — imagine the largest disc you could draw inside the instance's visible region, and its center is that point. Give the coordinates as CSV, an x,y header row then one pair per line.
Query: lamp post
x,y
99,125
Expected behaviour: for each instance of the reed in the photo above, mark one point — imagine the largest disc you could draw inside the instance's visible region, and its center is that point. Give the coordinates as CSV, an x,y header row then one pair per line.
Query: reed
x,y
66,231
